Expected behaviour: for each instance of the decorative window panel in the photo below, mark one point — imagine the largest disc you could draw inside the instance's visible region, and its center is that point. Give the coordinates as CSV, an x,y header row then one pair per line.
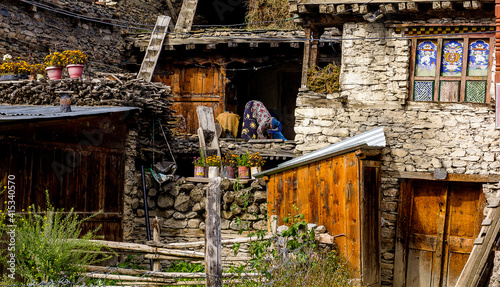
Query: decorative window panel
x,y
423,91
478,58
452,68
426,58
451,62
475,91
449,91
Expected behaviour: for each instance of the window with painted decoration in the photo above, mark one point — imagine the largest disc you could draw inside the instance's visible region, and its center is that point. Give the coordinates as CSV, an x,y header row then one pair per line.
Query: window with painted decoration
x,y
452,69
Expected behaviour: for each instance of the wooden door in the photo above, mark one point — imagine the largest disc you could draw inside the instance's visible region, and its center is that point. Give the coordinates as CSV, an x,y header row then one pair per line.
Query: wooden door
x,y
192,87
436,230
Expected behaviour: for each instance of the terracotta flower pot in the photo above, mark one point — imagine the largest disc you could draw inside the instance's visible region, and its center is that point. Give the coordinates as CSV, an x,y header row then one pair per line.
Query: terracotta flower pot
x,y
228,172
54,73
199,171
243,171
75,71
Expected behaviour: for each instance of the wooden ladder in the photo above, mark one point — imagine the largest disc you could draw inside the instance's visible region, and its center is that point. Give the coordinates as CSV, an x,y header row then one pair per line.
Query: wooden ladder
x,y
476,267
154,48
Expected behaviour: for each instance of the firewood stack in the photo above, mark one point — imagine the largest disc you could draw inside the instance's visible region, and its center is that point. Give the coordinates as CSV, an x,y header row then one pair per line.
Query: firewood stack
x,y
153,100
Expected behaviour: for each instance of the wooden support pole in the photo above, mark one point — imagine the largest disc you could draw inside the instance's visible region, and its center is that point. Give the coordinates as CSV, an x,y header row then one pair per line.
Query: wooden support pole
x,y
305,61
156,237
213,256
313,61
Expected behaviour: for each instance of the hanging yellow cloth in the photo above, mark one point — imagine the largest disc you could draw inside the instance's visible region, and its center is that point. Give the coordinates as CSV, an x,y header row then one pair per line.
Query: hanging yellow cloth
x,y
229,122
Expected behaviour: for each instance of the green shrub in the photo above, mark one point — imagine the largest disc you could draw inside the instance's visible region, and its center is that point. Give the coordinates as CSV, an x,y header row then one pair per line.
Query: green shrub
x,y
297,261
49,245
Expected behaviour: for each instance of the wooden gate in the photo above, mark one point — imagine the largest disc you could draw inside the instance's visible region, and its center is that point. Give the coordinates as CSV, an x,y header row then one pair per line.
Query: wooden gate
x,y
437,225
192,87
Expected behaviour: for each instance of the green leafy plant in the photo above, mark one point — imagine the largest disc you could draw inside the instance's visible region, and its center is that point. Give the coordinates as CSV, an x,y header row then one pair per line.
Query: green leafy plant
x,y
294,260
184,266
243,160
199,161
49,245
323,80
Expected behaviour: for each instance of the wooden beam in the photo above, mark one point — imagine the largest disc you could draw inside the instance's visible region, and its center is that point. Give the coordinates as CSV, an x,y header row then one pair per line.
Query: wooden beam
x,y
330,9
447,5
322,8
389,9
363,9
450,177
412,6
186,16
436,5
355,8
402,6
306,59
303,9
338,2
213,251
342,9
472,271
293,8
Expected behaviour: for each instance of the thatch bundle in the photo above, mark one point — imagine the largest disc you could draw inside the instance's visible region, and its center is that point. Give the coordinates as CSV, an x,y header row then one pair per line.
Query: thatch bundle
x,y
323,80
269,14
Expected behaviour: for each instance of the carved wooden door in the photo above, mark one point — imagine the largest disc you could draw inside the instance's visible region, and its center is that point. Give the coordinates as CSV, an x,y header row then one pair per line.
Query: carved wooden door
x,y
438,224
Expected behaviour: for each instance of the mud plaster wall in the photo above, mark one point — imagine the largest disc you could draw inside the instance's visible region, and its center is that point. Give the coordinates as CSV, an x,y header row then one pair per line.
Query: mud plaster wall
x,y
420,136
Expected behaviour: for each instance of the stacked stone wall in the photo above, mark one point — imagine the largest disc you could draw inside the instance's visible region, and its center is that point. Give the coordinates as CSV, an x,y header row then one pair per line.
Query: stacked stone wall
x,y
31,33
421,137
180,205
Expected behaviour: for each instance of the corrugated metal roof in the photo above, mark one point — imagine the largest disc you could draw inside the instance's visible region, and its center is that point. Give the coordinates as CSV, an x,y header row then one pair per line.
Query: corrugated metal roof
x,y
371,139
14,113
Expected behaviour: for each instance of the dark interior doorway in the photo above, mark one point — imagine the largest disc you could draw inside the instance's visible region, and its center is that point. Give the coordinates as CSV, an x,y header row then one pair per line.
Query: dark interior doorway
x,y
276,86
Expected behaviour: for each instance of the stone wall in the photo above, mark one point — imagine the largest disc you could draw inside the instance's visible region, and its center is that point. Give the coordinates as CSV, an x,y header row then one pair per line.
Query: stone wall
x,y
460,137
97,30
180,205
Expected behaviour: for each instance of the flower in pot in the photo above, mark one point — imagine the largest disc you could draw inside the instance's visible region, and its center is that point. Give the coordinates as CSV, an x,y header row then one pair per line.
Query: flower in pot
x,y
75,61
229,163
14,70
54,63
243,166
213,162
36,69
199,166
256,162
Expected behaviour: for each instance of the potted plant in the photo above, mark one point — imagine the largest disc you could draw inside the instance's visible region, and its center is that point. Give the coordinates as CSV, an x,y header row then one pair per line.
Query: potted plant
x,y
199,166
75,61
229,163
243,166
13,70
54,63
213,163
36,71
256,162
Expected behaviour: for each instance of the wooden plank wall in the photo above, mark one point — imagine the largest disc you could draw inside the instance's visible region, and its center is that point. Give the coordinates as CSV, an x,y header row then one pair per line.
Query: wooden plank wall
x,y
327,192
85,178
194,86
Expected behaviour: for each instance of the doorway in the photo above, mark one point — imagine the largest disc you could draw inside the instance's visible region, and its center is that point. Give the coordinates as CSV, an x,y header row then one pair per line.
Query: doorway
x,y
437,225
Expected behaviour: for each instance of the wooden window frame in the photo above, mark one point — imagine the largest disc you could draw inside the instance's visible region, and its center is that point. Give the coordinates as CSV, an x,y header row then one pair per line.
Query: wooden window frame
x,y
437,79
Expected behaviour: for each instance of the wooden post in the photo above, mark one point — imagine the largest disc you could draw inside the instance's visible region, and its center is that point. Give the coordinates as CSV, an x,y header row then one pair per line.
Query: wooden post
x,y
305,61
156,237
213,258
